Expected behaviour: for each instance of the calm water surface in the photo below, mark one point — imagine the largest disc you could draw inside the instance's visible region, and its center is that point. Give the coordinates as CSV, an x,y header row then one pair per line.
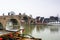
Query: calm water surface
x,y
44,32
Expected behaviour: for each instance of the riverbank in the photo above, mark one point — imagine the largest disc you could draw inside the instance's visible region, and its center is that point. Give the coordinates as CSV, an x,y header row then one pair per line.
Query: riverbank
x,y
17,36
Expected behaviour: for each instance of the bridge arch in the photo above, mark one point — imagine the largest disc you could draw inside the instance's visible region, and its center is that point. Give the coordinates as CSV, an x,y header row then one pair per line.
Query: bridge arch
x,y
12,24
14,21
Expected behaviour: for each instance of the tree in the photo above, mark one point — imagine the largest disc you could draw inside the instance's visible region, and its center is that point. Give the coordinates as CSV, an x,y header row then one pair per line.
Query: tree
x,y
56,18
52,17
12,13
25,18
38,17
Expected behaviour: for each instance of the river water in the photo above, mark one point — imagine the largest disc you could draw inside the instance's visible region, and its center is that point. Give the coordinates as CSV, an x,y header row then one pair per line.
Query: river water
x,y
44,32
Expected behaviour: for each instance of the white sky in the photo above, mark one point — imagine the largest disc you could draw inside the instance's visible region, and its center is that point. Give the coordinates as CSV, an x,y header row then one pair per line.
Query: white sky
x,y
44,8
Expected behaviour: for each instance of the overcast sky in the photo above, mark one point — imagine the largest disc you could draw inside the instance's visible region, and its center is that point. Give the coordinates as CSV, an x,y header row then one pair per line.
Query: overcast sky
x,y
43,8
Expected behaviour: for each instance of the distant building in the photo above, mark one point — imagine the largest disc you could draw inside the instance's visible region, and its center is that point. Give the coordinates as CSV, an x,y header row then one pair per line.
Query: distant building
x,y
52,19
46,20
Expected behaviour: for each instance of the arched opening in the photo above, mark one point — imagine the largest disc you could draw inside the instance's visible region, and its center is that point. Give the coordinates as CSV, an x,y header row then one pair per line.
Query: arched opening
x,y
1,26
14,21
12,24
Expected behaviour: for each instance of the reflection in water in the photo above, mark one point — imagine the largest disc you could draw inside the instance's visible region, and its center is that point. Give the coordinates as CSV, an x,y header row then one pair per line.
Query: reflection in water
x,y
40,28
44,32
28,29
37,28
54,29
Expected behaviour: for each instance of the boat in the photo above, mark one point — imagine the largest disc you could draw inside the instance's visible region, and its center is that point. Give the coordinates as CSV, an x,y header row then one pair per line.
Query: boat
x,y
14,37
54,23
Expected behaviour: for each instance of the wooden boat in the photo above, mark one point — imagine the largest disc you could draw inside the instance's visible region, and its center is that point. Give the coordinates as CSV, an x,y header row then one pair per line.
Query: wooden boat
x,y
16,35
23,37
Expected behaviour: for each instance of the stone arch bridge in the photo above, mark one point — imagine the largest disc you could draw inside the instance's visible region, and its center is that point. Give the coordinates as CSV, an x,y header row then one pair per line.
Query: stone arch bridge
x,y
15,19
